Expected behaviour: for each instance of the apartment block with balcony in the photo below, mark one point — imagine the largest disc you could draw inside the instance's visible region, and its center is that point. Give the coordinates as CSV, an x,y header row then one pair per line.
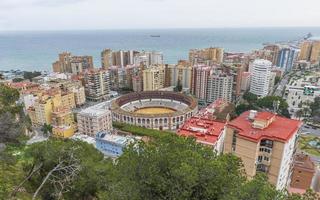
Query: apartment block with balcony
x,y
265,142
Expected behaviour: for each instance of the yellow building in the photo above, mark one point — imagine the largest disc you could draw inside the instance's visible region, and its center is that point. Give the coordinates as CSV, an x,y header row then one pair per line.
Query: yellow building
x,y
206,56
67,100
63,131
305,50
49,102
315,53
153,78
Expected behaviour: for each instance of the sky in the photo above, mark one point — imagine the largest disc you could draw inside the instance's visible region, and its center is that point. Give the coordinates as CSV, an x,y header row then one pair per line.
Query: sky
x,y
151,14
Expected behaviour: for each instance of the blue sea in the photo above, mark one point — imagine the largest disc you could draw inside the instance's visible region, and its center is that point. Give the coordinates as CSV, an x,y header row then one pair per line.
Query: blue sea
x,y
36,50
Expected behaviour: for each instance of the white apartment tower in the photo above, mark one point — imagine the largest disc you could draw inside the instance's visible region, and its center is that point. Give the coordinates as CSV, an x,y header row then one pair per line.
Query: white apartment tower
x,y
260,77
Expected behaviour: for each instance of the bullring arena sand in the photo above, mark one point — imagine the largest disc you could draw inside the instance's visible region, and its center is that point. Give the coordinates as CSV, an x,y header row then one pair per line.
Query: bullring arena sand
x,y
154,110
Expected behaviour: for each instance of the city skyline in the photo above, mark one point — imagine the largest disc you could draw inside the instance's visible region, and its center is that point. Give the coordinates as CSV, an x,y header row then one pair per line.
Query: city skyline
x,y
154,14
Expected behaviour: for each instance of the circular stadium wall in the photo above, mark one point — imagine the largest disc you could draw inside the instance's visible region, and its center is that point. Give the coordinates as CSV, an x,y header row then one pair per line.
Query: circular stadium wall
x,y
160,110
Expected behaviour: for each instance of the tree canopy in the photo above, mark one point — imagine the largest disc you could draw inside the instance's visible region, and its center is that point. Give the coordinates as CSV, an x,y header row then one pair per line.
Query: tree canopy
x,y
168,167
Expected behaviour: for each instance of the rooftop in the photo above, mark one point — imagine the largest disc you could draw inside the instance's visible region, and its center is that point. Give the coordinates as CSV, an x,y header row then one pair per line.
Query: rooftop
x,y
303,161
113,138
280,129
206,131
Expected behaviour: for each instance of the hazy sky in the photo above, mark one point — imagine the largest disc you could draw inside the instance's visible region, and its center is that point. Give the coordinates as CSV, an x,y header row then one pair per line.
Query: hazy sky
x,y
133,14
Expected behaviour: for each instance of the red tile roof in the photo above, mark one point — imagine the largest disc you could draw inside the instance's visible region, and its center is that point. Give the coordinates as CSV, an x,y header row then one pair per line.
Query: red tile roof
x,y
206,131
265,115
281,129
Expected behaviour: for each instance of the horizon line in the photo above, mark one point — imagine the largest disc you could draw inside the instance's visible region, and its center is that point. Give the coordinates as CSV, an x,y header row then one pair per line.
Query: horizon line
x,y
169,28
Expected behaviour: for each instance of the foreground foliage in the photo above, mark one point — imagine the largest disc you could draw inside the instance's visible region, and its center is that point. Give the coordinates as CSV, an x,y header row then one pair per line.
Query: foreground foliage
x,y
167,167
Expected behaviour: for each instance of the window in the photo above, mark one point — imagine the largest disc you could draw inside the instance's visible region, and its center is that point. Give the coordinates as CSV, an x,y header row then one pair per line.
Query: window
x,y
266,158
234,141
259,158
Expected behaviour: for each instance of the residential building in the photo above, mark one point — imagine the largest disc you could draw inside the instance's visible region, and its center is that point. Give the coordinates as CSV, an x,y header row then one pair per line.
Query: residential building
x,y
199,81
68,63
112,145
178,74
245,81
219,86
286,58
206,131
303,172
123,58
206,56
97,85
302,91
146,58
260,77
310,51
315,53
265,142
106,58
153,78
94,119
305,50
137,83
63,124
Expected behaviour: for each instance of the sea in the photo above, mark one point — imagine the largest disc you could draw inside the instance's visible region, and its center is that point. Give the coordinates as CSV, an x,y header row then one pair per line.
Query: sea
x,y
37,50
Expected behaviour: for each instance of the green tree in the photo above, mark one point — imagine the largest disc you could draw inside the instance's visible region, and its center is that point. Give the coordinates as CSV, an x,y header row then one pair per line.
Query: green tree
x,y
47,129
173,167
250,98
243,107
268,102
64,168
8,99
31,75
16,80
277,80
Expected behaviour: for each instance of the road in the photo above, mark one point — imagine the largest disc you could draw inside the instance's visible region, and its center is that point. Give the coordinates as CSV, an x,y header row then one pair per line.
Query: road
x,y
305,129
38,136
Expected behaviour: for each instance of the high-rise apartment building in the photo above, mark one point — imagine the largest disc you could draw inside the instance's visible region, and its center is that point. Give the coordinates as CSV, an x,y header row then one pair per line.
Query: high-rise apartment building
x,y
153,78
315,53
260,77
106,58
148,58
123,58
286,58
199,81
97,85
178,74
206,56
310,51
271,54
137,83
72,64
305,50
219,87
265,142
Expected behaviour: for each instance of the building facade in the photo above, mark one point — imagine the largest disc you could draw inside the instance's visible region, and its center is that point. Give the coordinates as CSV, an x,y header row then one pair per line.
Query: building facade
x,y
219,86
260,77
265,143
111,145
94,119
97,85
153,78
